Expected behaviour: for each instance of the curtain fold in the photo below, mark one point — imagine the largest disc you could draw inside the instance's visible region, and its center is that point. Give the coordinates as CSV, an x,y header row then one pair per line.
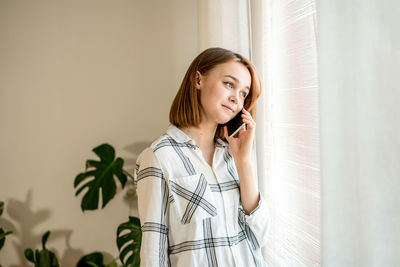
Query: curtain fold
x,y
284,51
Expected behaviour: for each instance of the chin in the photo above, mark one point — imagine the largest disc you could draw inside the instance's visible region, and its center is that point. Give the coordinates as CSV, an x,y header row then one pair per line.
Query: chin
x,y
224,120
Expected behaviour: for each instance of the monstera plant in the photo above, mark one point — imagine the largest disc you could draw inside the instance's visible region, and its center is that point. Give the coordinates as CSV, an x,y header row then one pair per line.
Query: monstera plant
x,y
104,174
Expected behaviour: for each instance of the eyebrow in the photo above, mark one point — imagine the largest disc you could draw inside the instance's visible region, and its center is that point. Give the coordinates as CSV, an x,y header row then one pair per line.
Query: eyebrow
x,y
236,80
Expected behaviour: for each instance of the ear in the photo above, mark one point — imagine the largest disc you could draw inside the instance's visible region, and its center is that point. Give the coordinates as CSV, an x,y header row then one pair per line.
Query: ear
x,y
198,80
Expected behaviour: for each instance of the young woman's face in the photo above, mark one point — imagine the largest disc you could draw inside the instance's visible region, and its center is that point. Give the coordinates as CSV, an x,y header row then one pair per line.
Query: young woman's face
x,y
223,91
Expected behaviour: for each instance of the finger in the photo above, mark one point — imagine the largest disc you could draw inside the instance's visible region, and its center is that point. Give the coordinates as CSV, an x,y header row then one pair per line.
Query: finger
x,y
247,114
247,117
249,123
245,111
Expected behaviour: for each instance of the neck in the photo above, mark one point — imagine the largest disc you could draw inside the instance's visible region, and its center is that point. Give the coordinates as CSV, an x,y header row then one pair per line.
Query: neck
x,y
203,134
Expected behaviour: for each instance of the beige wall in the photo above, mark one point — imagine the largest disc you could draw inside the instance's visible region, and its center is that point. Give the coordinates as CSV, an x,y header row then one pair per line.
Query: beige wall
x,y
73,75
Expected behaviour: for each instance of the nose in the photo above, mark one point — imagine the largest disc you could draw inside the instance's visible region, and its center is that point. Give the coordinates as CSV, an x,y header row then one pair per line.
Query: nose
x,y
233,99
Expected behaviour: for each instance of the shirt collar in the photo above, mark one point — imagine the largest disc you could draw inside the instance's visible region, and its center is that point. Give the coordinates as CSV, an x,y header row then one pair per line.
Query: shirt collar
x,y
180,137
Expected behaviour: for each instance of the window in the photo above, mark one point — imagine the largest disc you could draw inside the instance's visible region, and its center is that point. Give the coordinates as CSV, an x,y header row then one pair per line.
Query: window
x,y
284,50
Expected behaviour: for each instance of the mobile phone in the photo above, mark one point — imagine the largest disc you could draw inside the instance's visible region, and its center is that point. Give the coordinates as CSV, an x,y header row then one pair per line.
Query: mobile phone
x,y
235,124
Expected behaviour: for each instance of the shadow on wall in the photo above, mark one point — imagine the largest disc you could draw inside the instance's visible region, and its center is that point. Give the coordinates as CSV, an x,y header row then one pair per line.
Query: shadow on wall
x,y
134,149
24,220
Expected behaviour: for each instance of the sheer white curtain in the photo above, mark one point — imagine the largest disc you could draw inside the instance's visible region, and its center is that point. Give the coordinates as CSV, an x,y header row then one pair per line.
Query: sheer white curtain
x,y
284,50
359,55
224,23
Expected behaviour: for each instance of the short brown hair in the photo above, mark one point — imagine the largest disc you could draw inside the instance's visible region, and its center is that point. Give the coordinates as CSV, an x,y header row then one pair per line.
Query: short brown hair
x,y
185,109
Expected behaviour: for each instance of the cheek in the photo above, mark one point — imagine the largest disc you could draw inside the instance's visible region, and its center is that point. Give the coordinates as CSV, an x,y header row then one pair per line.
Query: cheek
x,y
207,99
222,94
214,96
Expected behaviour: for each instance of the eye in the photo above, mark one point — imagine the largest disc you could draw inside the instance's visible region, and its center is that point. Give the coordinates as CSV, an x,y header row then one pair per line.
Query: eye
x,y
229,84
244,94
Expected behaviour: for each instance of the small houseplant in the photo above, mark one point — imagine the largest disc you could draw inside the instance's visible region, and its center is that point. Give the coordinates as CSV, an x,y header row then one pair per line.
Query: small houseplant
x,y
98,175
103,174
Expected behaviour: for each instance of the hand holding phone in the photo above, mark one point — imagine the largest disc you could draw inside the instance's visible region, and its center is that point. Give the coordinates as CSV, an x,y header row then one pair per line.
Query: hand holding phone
x,y
235,124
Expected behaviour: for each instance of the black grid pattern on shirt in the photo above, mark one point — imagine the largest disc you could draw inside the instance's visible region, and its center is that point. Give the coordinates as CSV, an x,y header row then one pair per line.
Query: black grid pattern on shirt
x,y
195,199
225,186
211,242
163,238
150,172
154,227
160,228
250,237
230,167
169,141
208,242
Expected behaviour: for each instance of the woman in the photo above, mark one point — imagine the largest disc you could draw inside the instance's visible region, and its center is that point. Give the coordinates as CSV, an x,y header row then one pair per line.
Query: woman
x,y
198,199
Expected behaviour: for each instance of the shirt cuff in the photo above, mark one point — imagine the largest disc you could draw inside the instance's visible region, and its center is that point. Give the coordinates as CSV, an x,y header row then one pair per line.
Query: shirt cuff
x,y
260,209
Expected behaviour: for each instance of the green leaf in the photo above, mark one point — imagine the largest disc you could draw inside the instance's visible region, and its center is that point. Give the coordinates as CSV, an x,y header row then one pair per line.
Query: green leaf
x,y
93,259
44,239
113,264
103,173
3,237
129,240
37,256
53,260
29,255
43,258
46,258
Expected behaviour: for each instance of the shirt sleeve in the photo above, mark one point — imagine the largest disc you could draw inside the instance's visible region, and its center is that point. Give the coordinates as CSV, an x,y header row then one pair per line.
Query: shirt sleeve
x,y
256,224
152,195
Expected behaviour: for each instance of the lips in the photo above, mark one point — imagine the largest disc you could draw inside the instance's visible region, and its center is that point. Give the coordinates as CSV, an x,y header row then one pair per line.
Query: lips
x,y
229,108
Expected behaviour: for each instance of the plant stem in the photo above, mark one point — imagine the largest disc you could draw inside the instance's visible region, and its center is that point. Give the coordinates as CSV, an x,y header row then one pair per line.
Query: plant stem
x,y
127,173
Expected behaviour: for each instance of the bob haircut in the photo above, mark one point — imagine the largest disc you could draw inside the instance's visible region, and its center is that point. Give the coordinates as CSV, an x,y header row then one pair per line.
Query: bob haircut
x,y
185,109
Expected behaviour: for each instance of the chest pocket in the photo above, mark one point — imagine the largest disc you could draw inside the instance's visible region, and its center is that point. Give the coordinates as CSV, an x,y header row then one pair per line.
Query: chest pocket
x,y
192,197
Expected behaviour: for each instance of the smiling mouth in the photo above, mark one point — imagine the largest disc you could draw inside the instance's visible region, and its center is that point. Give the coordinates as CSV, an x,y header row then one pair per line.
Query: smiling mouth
x,y
228,108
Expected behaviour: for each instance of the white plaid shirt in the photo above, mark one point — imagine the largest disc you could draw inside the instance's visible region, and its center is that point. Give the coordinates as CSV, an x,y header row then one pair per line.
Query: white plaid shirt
x,y
190,213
